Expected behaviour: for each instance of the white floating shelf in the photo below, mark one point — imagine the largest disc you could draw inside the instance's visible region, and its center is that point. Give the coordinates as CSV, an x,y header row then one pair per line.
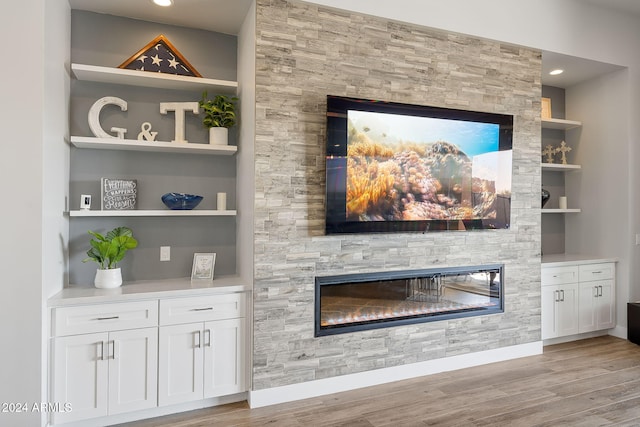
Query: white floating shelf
x,y
134,213
560,124
545,211
157,146
559,167
94,73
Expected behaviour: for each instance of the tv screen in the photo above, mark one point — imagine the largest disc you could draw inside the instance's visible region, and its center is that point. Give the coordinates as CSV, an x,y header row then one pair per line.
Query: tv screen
x,y
395,167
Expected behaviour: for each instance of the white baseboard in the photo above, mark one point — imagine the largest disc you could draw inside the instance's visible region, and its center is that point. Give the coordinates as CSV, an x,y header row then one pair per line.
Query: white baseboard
x,y
156,412
289,393
619,332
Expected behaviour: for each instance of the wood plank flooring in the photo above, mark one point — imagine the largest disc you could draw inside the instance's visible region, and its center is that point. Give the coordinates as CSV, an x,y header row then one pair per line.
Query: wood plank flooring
x,y
593,382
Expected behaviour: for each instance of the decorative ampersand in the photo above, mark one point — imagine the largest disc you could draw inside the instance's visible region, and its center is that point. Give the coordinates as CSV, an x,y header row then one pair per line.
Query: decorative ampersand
x,y
145,133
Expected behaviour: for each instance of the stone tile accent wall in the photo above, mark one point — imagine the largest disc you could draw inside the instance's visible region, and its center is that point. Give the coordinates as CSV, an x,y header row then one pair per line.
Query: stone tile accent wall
x,y
305,52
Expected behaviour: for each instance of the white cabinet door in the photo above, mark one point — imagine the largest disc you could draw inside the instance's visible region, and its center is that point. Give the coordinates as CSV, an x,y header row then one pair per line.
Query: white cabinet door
x,y
224,357
133,370
606,312
597,310
80,376
588,295
559,310
180,375
567,310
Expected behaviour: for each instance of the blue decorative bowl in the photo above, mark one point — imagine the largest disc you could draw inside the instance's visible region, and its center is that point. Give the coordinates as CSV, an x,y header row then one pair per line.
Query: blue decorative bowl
x,y
181,201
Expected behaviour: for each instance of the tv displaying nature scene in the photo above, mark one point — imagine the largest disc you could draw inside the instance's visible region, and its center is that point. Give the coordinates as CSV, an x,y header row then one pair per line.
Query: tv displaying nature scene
x,y
397,167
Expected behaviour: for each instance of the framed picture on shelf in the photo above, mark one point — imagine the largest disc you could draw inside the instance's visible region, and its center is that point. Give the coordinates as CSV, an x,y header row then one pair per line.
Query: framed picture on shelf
x,y
118,194
546,108
203,266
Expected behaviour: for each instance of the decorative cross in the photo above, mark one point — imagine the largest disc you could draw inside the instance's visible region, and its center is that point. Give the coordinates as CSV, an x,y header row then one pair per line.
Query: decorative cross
x,y
549,151
564,149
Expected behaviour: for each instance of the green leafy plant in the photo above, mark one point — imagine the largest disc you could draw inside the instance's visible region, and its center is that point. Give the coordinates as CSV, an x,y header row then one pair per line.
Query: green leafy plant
x,y
110,249
219,111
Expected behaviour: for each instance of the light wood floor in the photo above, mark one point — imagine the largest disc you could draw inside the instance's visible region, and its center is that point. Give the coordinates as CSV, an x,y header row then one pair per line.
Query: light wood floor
x,y
594,382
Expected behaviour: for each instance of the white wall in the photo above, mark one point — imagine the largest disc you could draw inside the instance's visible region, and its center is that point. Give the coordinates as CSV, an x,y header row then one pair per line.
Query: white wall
x,y
245,156
601,189
569,27
33,116
21,173
55,166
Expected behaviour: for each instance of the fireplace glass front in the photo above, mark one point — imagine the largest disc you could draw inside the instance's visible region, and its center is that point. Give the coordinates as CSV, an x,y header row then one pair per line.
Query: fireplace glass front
x,y
354,302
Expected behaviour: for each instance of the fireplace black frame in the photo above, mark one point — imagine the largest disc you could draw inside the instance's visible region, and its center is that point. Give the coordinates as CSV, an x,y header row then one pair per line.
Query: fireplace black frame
x,y
320,281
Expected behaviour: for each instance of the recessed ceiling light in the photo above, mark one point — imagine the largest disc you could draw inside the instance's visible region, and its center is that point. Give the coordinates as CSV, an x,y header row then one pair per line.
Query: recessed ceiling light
x,y
163,3
556,72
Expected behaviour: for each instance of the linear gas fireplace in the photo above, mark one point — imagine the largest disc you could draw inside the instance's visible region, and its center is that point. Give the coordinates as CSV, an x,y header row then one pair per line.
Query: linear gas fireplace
x,y
356,302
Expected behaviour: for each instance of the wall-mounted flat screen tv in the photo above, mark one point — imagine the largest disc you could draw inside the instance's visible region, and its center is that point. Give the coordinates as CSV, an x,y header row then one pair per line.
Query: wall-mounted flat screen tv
x,y
395,167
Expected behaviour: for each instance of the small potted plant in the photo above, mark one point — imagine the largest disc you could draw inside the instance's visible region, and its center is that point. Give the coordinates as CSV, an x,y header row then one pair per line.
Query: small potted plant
x,y
107,251
219,116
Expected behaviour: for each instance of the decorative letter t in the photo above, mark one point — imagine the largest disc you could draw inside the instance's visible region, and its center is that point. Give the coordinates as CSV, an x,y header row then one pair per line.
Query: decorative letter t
x,y
179,108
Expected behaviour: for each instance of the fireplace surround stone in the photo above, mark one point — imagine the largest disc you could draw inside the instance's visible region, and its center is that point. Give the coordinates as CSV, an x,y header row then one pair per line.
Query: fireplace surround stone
x,y
304,52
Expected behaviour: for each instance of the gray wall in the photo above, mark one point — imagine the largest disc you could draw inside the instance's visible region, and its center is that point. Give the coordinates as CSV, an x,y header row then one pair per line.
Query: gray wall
x,y
305,52
99,39
603,189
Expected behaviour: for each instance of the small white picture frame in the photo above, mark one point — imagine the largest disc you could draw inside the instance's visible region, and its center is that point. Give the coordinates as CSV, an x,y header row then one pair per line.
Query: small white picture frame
x,y
203,266
85,202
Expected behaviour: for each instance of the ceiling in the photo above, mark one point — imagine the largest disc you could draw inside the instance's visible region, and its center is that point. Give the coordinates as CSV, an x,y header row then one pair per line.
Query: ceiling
x,y
223,16
631,7
227,16
576,70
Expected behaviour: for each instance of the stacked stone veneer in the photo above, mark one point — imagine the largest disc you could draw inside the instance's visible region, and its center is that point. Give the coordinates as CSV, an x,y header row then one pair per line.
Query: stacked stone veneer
x,y
305,52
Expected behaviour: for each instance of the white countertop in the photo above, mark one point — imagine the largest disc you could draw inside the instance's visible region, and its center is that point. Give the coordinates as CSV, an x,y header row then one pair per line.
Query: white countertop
x,y
148,289
558,260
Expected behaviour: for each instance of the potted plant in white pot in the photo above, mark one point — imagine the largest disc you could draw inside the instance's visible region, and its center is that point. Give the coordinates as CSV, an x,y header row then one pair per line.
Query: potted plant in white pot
x,y
107,251
219,116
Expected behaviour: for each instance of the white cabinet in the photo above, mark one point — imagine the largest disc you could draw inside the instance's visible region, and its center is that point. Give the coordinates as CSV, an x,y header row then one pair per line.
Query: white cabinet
x,y
597,297
102,372
559,302
111,357
577,299
202,348
80,376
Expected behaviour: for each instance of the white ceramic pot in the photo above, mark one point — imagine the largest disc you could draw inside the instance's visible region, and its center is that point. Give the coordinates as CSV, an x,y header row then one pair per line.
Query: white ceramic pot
x,y
218,136
108,279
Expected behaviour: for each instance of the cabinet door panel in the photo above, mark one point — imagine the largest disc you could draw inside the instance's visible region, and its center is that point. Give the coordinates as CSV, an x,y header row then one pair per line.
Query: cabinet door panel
x,y
224,360
606,313
180,364
133,370
588,299
567,310
80,376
